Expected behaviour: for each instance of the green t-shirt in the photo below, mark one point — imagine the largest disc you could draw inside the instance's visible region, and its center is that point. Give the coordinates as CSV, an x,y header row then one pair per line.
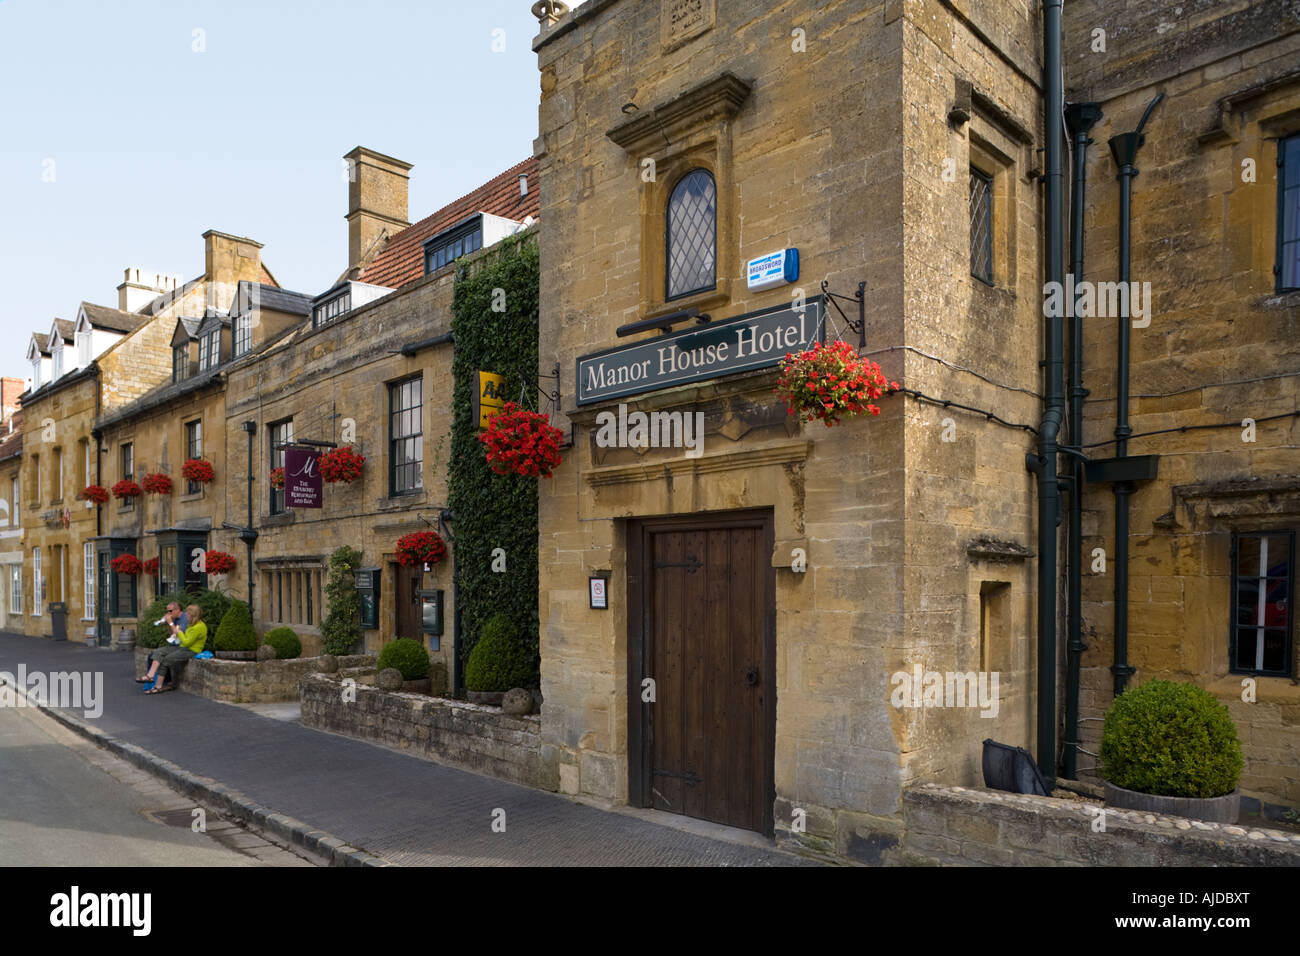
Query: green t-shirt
x,y
195,636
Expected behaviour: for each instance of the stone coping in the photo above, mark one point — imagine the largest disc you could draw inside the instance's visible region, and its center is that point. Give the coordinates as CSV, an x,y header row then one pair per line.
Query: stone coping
x,y
969,826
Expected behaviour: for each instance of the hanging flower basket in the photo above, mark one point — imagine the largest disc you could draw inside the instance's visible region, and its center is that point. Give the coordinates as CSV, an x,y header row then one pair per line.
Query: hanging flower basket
x,y
126,564
522,442
420,547
198,469
830,382
151,567
156,484
277,477
96,493
126,488
218,562
341,464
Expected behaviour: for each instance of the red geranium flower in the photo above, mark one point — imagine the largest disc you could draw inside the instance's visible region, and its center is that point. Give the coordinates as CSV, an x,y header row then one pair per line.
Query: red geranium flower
x,y
198,469
522,442
126,488
828,382
157,484
420,547
95,493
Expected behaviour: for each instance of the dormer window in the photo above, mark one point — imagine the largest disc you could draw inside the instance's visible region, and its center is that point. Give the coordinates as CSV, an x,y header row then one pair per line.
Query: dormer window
x,y
210,349
331,309
58,362
36,372
449,246
243,333
83,348
180,362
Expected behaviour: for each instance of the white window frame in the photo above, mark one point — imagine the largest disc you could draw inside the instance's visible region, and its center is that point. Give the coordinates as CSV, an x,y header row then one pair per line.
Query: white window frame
x,y
15,589
57,359
15,490
89,473
83,347
36,373
38,597
58,474
241,326
88,580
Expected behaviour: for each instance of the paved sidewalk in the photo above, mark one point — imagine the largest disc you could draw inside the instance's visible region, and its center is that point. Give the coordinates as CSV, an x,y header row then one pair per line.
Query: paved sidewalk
x,y
405,809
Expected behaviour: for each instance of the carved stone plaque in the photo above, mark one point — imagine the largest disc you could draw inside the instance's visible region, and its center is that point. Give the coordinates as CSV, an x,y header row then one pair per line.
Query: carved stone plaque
x,y
682,20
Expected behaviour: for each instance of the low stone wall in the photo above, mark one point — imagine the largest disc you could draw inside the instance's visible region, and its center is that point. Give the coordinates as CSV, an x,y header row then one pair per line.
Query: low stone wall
x,y
249,682
464,735
956,826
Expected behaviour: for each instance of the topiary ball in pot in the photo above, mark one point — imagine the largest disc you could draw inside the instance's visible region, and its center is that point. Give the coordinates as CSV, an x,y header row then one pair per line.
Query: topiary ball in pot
x,y
1170,739
235,632
499,661
287,644
407,655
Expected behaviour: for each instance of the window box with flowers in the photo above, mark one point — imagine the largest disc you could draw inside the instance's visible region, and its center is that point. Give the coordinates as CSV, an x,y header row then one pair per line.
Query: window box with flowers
x,y
828,383
341,464
156,483
126,489
218,562
522,442
198,470
126,564
420,547
94,493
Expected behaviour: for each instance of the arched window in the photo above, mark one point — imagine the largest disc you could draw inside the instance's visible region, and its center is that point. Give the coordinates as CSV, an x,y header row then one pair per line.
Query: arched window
x,y
692,235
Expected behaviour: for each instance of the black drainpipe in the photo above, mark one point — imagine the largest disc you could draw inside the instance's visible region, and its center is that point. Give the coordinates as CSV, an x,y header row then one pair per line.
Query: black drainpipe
x,y
1079,118
248,534
1044,463
1124,148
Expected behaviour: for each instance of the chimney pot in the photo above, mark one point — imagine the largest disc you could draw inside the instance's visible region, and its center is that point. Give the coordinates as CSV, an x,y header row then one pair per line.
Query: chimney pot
x,y
523,185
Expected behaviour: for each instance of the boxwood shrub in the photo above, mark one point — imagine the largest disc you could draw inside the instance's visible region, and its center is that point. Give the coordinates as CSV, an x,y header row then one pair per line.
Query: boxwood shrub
x,y
407,655
499,661
287,644
212,602
1170,739
235,632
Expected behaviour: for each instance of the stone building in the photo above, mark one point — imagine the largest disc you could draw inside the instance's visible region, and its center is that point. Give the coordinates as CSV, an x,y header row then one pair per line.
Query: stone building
x,y
783,585
90,371
1215,348
11,519
370,369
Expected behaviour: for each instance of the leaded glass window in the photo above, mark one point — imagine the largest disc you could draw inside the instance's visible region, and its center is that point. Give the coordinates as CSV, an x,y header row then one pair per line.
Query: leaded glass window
x,y
981,225
692,240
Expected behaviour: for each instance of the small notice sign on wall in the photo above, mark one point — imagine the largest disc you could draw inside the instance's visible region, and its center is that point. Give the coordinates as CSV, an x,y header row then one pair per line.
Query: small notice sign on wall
x,y
490,397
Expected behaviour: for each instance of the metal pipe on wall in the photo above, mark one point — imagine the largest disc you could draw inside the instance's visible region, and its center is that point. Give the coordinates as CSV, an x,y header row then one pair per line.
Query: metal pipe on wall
x,y
1079,119
1124,148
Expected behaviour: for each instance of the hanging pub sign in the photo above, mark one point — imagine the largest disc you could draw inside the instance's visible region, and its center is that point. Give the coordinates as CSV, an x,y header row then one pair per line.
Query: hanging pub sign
x,y
490,397
756,340
302,483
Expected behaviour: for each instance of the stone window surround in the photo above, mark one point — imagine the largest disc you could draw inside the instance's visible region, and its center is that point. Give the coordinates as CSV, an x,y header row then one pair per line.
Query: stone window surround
x,y
690,131
993,152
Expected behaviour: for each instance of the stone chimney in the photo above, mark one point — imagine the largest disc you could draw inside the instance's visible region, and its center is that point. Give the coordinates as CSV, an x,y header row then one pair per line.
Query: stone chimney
x,y
226,261
142,287
377,191
10,389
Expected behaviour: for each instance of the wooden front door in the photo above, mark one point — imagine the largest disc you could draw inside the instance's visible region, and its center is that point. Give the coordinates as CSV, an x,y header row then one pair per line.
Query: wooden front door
x,y
406,609
702,617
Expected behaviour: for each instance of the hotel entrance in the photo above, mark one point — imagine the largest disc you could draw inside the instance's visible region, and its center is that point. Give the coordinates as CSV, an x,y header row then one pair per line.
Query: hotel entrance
x,y
702,630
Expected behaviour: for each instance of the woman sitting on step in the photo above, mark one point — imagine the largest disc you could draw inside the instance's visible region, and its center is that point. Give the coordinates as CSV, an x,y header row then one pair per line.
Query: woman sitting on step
x,y
173,659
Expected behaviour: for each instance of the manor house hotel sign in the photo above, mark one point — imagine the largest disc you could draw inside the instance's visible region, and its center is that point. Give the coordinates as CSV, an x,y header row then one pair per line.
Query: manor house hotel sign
x,y
757,340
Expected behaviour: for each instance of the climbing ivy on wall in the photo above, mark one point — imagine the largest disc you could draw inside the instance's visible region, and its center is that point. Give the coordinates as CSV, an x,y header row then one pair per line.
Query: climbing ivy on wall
x,y
489,510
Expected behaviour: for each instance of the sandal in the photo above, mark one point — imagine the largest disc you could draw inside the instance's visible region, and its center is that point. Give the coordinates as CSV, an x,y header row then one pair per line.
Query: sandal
x,y
144,680
159,690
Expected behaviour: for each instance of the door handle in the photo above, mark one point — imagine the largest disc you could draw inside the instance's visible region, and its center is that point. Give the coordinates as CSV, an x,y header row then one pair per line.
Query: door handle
x,y
751,677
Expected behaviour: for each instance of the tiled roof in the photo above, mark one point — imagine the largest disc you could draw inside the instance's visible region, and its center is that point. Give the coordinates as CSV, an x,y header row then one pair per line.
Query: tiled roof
x,y
267,278
66,329
12,445
114,320
42,342
402,259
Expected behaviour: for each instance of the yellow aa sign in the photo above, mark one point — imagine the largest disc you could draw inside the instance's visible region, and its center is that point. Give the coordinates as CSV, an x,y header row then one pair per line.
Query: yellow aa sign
x,y
491,396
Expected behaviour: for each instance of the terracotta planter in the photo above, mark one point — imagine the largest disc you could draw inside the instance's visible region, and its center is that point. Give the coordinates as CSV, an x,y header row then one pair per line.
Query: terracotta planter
x,y
419,686
491,698
235,655
1224,809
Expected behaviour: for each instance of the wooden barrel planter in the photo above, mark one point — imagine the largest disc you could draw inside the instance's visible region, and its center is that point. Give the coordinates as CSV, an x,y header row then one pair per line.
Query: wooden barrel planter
x,y
1224,809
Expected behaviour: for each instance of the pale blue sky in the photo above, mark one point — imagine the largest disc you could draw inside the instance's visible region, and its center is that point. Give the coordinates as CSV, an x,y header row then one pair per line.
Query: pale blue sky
x,y
153,143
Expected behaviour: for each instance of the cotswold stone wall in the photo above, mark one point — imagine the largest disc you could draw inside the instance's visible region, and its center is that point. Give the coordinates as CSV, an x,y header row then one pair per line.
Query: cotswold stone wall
x,y
249,682
464,735
959,827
